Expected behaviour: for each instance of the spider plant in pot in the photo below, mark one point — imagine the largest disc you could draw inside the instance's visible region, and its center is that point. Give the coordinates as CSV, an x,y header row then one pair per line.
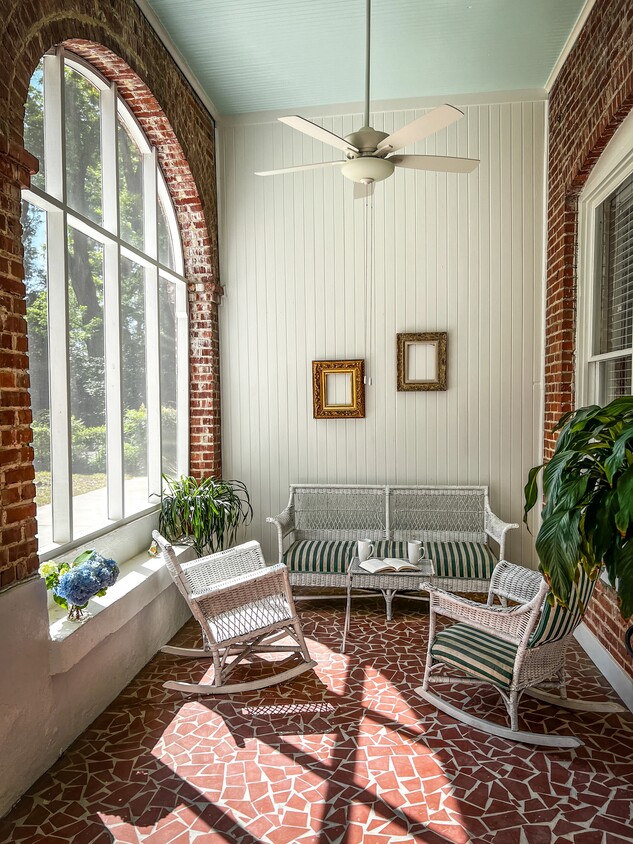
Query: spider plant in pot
x,y
587,518
204,513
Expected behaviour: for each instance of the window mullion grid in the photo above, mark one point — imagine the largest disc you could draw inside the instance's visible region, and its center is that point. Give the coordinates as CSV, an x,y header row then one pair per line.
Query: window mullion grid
x,y
182,380
54,135
57,269
112,307
152,327
152,357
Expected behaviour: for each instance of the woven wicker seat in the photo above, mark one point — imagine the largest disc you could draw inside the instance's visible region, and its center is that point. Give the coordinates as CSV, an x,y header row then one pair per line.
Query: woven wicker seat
x,y
518,650
243,608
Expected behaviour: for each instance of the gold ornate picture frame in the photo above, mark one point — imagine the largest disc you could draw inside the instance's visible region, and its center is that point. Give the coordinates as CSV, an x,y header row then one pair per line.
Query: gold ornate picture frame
x,y
338,389
421,361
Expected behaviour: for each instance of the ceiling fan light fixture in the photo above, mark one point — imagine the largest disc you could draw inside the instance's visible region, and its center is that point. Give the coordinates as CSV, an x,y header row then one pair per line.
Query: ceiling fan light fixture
x,y
367,170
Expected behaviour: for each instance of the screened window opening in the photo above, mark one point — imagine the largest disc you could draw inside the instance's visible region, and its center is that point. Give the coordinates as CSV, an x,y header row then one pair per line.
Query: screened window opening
x,y
106,308
613,299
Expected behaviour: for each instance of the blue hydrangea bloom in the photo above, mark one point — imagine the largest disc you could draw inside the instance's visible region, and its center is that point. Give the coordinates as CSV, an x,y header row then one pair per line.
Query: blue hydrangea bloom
x,y
106,571
78,585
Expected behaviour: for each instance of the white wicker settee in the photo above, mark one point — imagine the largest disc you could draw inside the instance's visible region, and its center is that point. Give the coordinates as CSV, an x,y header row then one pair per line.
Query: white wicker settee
x,y
318,531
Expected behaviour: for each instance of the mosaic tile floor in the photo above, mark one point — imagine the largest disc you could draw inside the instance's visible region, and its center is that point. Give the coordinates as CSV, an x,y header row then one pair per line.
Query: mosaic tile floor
x,y
344,755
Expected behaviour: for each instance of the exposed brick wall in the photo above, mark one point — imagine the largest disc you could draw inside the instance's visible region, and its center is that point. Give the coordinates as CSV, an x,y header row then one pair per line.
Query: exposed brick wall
x,y
591,97
18,545
118,40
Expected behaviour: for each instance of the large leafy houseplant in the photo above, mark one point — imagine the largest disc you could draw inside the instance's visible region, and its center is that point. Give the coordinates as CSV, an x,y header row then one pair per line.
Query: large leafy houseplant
x,y
587,518
203,513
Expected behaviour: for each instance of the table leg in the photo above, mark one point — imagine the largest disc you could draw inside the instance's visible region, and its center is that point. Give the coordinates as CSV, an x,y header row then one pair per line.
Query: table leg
x,y
388,595
348,612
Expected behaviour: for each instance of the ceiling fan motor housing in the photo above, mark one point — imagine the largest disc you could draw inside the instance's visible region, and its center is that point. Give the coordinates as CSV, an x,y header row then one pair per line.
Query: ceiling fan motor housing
x,y
367,169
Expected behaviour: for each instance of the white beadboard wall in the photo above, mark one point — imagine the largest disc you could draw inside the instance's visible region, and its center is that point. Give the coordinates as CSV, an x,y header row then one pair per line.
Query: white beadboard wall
x,y
462,254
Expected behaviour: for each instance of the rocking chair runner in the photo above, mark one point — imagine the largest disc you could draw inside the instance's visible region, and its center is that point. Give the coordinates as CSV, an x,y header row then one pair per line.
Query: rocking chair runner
x,y
519,650
243,608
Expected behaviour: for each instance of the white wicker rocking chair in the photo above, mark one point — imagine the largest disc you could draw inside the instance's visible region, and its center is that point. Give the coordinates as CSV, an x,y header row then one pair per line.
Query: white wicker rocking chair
x,y
243,608
519,650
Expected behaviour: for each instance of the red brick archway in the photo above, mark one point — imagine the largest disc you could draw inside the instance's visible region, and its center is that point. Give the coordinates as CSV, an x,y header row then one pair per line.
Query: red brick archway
x,y
118,40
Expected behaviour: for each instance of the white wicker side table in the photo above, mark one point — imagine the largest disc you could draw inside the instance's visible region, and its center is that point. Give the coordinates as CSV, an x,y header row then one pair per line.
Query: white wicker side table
x,y
387,582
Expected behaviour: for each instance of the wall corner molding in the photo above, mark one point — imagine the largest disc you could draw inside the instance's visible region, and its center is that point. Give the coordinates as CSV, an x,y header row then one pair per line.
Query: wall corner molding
x,y
604,662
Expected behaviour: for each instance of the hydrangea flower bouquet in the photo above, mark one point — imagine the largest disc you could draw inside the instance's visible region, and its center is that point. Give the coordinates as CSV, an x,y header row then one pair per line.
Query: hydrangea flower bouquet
x,y
74,584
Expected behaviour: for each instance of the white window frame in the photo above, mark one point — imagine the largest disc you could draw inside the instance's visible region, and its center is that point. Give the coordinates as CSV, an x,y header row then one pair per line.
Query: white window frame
x,y
53,201
612,169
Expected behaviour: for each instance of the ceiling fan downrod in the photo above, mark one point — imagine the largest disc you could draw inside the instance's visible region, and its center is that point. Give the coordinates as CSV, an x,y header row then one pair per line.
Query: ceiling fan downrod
x,y
367,59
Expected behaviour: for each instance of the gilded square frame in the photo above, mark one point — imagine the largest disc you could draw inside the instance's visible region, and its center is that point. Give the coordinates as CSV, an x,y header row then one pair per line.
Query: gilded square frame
x,y
320,370
404,341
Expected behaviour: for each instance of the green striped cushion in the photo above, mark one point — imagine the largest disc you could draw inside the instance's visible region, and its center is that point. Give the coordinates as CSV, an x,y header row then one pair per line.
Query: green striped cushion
x,y
461,559
320,555
557,622
391,548
481,655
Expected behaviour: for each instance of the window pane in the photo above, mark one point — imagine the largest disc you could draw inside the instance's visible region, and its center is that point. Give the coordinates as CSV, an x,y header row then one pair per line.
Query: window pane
x,y
134,385
35,277
130,187
616,288
615,379
165,245
168,376
34,122
87,382
83,145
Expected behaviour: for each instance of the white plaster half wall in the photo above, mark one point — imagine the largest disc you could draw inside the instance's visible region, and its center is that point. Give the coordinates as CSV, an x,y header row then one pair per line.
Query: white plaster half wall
x,y
50,691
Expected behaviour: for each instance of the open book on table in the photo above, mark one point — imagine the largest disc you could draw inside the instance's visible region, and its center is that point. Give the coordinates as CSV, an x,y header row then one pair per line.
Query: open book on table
x,y
374,566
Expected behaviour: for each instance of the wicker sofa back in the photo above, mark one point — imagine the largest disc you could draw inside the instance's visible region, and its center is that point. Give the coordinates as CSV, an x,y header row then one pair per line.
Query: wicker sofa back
x,y
318,530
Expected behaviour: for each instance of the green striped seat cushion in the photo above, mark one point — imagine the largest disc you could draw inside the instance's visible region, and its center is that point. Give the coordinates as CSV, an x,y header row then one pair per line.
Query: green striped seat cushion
x,y
557,622
331,556
478,654
320,555
461,559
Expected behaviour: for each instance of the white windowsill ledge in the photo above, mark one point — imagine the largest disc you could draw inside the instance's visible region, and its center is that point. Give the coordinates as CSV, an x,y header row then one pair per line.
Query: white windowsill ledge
x,y
142,579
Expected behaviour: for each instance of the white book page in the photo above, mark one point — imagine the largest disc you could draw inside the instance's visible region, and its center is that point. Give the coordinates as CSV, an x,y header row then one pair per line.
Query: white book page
x,y
388,564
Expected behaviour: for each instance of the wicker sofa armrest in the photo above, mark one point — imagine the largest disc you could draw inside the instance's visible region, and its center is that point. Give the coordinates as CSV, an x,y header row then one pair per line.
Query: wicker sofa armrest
x,y
509,623
285,524
497,529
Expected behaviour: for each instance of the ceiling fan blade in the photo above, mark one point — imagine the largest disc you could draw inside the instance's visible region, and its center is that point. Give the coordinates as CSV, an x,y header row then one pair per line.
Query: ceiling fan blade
x,y
318,132
436,163
297,169
362,191
424,126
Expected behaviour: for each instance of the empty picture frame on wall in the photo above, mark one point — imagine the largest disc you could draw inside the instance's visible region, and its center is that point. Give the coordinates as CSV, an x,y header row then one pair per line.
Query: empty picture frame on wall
x,y
338,389
421,361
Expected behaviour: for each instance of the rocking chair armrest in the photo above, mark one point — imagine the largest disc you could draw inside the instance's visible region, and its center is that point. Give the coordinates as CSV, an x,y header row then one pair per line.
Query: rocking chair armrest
x,y
508,623
277,571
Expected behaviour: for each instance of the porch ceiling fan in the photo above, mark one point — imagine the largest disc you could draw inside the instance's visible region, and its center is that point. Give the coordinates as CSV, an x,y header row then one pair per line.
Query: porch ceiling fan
x,y
369,153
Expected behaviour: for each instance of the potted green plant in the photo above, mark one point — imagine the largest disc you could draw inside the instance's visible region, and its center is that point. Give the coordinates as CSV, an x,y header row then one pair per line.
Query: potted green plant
x,y
203,513
587,518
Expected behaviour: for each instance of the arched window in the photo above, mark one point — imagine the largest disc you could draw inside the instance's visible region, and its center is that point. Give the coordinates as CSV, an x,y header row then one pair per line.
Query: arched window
x,y
106,308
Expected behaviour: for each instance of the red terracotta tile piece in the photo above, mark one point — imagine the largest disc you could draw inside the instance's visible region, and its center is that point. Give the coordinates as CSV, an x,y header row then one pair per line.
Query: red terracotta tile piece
x,y
344,753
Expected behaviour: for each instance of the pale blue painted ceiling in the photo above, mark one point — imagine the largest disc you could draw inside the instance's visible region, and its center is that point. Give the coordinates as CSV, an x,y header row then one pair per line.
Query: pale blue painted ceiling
x,y
257,55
